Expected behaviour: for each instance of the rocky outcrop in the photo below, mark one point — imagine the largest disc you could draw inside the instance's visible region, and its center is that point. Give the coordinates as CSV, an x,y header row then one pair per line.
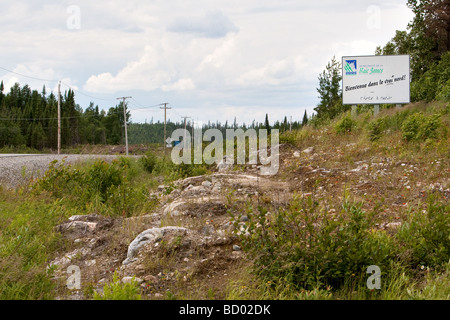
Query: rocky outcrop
x,y
148,237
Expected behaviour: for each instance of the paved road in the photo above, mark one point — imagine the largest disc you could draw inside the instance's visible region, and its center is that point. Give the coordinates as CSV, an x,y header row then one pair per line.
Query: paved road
x,y
7,155
17,168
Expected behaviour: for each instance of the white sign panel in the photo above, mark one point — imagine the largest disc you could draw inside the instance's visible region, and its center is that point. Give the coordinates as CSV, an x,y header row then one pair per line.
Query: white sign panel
x,y
375,79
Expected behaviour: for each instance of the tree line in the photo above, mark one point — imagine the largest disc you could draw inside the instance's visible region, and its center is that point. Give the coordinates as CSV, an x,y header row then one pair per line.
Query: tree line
x,y
28,118
144,133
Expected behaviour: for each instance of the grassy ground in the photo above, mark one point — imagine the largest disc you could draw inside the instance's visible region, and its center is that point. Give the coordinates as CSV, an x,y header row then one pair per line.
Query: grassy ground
x,y
374,191
365,173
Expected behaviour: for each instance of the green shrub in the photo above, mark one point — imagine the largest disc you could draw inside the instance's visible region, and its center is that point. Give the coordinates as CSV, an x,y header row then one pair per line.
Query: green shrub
x,y
395,122
430,126
59,180
119,291
345,125
101,186
191,170
100,177
425,236
307,248
376,128
444,92
149,161
410,128
420,127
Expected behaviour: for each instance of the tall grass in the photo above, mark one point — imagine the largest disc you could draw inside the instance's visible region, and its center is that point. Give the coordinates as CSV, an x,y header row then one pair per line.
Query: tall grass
x,y
27,242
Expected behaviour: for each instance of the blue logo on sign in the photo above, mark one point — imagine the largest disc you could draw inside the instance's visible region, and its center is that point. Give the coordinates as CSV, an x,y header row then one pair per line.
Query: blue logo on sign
x,y
350,67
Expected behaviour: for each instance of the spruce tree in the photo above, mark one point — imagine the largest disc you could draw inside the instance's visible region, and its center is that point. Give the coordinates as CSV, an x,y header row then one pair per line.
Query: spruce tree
x,y
266,122
330,92
305,119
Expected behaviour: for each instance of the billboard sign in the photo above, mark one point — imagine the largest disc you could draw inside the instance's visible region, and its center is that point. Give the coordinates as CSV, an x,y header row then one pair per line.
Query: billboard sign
x,y
376,79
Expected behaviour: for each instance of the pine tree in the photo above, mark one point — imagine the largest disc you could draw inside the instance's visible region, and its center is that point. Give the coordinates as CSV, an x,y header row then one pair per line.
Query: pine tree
x,y
305,119
330,92
266,123
1,98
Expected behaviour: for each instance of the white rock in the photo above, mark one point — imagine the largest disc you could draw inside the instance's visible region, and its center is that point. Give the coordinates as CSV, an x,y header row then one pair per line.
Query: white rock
x,y
77,217
394,225
130,280
80,225
90,263
195,190
206,184
171,208
67,258
146,237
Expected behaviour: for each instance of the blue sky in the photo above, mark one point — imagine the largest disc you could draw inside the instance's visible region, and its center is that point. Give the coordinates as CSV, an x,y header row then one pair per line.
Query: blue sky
x,y
209,59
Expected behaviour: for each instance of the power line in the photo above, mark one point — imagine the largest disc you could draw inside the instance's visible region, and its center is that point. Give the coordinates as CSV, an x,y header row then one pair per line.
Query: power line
x,y
138,104
85,94
140,107
51,80
22,75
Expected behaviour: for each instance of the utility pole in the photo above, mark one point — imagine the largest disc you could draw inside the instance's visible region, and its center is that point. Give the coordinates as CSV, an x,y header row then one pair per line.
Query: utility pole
x,y
165,119
184,140
125,119
59,117
193,128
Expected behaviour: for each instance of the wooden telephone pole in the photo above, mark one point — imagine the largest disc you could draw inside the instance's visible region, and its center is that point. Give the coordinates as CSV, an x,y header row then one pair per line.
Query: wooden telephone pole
x,y
165,119
59,117
125,119
184,140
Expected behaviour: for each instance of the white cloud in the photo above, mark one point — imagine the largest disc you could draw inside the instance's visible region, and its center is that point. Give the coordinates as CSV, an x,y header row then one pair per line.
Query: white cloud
x,y
151,71
9,83
213,24
34,76
248,56
181,85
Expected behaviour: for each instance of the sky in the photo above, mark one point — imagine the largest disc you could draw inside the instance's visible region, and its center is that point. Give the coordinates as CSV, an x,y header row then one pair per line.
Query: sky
x,y
210,60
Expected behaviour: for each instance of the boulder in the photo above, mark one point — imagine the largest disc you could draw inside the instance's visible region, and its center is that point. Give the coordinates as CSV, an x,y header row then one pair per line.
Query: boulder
x,y
147,237
78,226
